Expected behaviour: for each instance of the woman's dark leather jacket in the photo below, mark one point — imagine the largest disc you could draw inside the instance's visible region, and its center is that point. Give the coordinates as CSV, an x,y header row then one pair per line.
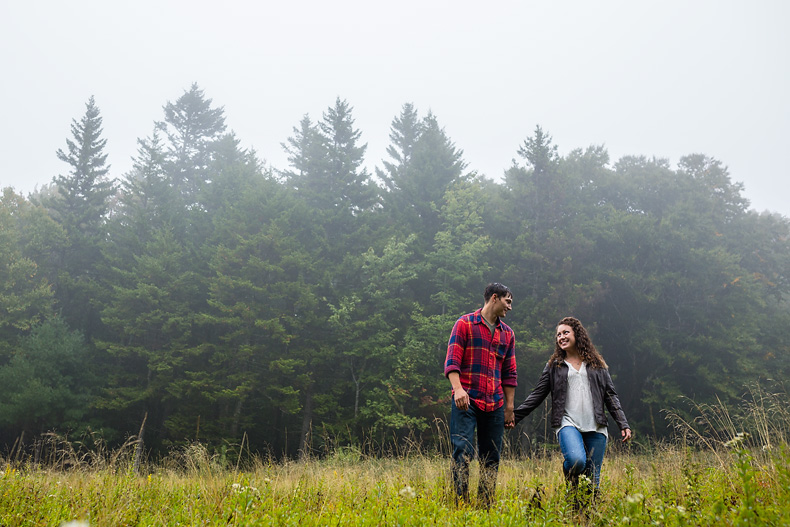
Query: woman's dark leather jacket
x,y
554,380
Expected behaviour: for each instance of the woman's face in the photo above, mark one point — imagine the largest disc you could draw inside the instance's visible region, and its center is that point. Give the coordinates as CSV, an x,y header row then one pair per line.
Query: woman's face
x,y
566,338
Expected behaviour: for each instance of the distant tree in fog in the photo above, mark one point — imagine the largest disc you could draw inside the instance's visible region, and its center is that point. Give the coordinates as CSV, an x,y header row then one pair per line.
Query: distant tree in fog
x,y
81,205
192,128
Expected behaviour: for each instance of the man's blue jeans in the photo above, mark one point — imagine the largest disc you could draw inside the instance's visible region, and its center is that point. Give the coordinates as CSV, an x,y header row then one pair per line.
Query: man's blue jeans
x,y
490,429
583,452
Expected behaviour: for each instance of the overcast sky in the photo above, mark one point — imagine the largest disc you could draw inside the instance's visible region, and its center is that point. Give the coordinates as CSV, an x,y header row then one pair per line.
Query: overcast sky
x,y
654,78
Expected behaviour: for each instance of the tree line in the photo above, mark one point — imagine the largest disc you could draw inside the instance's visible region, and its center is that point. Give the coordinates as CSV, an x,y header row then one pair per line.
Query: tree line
x,y
215,298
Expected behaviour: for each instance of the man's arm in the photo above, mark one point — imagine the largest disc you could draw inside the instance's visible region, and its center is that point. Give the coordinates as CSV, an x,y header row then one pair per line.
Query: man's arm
x,y
509,381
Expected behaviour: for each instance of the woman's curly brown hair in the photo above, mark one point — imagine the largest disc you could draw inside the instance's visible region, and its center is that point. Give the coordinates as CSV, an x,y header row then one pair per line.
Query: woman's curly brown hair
x,y
584,344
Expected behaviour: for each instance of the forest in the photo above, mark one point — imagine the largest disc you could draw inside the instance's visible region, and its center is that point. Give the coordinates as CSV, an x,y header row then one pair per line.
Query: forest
x,y
206,296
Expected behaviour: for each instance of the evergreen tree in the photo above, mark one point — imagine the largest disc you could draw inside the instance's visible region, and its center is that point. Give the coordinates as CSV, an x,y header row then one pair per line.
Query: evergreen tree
x,y
81,206
327,163
435,164
146,203
370,321
307,158
49,383
156,300
350,185
192,128
397,197
26,298
405,130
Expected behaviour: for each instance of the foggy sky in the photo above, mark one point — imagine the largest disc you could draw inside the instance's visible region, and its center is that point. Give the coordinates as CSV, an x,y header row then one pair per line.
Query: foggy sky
x,y
654,78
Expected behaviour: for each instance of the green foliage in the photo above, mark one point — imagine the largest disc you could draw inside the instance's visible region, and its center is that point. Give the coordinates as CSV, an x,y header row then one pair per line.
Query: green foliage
x,y
192,128
25,296
80,206
49,382
309,308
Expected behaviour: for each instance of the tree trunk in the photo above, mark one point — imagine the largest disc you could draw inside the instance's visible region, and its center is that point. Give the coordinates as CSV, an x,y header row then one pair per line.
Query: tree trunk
x,y
234,426
356,380
307,421
138,449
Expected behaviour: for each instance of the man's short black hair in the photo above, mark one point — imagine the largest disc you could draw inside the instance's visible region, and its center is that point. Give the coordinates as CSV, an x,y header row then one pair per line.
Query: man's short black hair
x,y
495,288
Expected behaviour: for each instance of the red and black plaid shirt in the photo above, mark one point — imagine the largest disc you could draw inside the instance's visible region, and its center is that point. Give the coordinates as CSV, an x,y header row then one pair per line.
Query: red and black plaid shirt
x,y
484,362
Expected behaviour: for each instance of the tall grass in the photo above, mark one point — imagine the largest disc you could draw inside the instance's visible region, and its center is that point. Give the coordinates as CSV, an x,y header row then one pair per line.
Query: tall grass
x,y
726,467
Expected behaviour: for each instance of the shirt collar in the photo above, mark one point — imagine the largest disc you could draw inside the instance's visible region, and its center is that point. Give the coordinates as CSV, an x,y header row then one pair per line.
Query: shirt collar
x,y
479,318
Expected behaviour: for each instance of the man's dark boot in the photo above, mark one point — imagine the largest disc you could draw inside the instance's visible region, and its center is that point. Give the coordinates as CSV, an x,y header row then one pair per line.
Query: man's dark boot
x,y
487,487
461,483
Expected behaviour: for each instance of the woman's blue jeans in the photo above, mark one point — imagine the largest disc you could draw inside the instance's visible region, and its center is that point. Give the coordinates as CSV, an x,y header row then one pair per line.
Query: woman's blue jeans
x,y
490,429
583,452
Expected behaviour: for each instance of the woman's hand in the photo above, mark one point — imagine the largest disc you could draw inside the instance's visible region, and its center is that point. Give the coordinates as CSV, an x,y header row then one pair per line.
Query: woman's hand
x,y
626,433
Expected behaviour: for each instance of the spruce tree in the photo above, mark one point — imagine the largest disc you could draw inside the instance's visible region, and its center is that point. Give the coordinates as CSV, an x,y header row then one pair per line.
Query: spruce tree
x,y
192,128
81,205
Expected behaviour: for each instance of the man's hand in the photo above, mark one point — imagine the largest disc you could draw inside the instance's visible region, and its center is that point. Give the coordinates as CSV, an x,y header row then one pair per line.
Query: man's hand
x,y
461,398
510,418
459,394
626,433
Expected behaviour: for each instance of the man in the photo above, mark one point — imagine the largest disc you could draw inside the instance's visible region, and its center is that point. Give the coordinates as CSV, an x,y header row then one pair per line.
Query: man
x,y
481,367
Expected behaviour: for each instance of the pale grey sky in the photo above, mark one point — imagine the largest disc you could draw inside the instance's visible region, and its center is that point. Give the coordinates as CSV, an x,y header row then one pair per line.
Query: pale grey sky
x,y
656,78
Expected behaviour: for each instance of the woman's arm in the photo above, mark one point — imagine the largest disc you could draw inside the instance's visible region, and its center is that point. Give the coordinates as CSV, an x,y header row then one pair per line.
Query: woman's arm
x,y
536,397
613,405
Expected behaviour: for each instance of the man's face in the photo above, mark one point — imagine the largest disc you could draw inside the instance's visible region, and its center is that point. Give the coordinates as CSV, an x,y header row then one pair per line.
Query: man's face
x,y
502,305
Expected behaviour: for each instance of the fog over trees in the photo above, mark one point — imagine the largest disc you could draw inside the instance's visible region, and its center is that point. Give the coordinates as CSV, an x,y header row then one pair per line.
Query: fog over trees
x,y
307,306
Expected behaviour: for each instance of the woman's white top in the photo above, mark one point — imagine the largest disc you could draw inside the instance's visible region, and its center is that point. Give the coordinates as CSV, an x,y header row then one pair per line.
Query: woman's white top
x,y
579,410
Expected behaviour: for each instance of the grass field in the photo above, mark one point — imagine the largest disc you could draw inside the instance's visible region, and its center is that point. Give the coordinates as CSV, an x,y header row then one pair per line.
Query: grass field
x,y
721,477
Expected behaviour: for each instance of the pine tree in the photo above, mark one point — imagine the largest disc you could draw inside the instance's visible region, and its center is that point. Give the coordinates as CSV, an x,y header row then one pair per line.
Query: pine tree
x,y
81,205
192,128
397,198
83,193
405,130
308,159
326,160
350,184
25,294
435,164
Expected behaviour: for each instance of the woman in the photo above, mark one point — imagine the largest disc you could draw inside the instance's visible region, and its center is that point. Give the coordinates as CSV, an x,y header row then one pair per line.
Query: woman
x,y
578,379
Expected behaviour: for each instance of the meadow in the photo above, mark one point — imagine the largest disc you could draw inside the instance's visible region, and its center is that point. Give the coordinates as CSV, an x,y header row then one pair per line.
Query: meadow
x,y
721,469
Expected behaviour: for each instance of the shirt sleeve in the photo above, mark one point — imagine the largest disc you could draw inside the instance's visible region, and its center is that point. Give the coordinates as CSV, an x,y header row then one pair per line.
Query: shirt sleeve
x,y
456,347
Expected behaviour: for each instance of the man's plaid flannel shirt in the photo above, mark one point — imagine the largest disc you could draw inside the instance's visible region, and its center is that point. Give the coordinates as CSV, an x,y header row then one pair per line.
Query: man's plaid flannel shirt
x,y
484,362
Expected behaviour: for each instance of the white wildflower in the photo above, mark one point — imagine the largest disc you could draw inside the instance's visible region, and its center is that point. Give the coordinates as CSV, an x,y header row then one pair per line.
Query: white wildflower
x,y
407,492
75,523
738,440
634,498
238,488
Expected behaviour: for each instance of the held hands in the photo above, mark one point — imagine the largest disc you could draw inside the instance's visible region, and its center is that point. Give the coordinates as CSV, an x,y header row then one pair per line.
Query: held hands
x,y
510,418
626,433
